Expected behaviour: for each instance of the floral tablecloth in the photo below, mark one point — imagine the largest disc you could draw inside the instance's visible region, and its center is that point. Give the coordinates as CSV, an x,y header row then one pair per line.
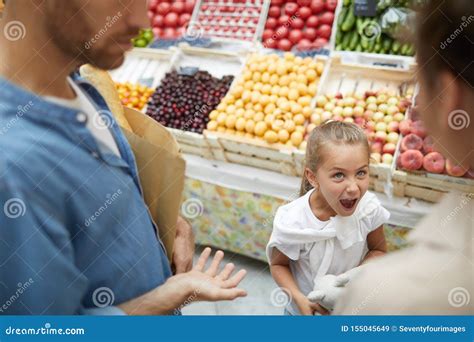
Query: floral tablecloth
x,y
241,222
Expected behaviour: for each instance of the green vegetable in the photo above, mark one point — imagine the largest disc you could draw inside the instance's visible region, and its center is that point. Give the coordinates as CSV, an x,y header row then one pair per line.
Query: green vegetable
x,y
387,44
395,47
339,47
346,3
404,49
358,48
354,41
377,47
342,16
349,21
338,37
411,50
364,42
140,42
371,45
345,41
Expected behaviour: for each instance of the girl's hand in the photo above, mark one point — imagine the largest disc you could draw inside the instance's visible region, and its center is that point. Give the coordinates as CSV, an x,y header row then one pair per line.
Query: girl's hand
x,y
308,308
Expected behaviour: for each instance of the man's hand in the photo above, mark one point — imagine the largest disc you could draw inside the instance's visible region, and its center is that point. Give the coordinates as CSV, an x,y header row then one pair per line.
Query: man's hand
x,y
196,285
208,285
183,248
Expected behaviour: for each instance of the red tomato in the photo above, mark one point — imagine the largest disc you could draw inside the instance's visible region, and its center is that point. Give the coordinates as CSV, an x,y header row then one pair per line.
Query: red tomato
x,y
312,21
271,23
284,45
274,12
324,31
317,6
327,18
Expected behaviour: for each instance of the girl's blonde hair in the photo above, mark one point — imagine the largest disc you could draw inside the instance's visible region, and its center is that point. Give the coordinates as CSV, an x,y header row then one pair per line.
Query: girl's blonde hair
x,y
334,132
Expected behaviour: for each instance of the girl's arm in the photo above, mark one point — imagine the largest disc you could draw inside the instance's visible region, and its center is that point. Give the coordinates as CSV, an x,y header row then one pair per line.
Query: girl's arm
x,y
280,268
376,244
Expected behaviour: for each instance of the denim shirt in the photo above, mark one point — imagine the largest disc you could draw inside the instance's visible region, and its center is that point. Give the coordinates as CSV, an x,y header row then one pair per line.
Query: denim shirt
x,y
76,236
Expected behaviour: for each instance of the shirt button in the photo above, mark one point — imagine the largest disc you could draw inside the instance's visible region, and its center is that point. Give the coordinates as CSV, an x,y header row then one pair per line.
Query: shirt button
x,y
81,117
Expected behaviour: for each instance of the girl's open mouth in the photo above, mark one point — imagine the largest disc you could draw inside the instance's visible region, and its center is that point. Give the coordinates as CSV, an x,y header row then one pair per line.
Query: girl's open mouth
x,y
348,203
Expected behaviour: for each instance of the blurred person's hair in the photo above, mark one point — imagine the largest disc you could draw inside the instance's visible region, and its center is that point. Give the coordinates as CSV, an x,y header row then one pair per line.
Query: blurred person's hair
x,y
445,39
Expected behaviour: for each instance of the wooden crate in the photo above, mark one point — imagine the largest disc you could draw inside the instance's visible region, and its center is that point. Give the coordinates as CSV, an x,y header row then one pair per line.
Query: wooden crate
x,y
144,66
256,152
341,77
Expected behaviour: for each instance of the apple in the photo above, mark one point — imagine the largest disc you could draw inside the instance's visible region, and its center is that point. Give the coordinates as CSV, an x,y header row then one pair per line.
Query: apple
x,y
295,36
274,12
381,126
284,44
178,7
184,19
282,32
358,111
310,33
454,170
434,162
411,142
378,116
331,5
370,125
411,160
163,8
387,158
304,44
392,110
158,21
302,3
376,157
398,117
317,6
271,23
320,42
368,114
360,121
270,43
189,6
428,145
387,119
297,23
284,20
267,34
171,20
327,18
380,136
393,126
312,21
405,127
324,31
389,148
418,128
393,137
347,111
278,2
305,12
290,8
348,119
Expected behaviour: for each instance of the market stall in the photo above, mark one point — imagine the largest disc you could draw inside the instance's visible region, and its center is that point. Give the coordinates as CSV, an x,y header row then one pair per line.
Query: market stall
x,y
241,106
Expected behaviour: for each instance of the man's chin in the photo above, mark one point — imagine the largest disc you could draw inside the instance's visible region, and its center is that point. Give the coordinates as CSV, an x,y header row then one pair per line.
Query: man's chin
x,y
110,62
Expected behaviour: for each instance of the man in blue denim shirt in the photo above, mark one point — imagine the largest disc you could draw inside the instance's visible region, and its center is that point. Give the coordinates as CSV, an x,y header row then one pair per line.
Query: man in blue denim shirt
x,y
75,234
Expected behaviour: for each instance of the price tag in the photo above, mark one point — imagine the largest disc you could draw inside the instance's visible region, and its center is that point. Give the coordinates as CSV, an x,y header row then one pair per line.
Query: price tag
x,y
365,8
188,71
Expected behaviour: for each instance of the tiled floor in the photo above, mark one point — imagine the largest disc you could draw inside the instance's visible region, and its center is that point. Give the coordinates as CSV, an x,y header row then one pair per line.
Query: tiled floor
x,y
258,283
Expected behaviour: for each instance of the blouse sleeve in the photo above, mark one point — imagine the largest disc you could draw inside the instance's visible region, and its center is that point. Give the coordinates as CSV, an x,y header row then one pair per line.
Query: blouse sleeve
x,y
373,214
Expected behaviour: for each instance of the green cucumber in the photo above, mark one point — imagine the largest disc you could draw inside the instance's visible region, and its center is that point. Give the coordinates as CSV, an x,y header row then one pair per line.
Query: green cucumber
x,y
349,21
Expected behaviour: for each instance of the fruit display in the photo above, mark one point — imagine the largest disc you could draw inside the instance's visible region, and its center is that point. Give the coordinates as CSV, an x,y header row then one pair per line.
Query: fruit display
x,y
417,152
144,38
234,19
306,24
271,101
133,95
169,19
379,113
184,100
372,34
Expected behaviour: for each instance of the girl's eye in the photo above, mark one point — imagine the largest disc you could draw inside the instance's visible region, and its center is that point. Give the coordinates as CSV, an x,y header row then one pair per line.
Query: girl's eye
x,y
361,173
338,175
